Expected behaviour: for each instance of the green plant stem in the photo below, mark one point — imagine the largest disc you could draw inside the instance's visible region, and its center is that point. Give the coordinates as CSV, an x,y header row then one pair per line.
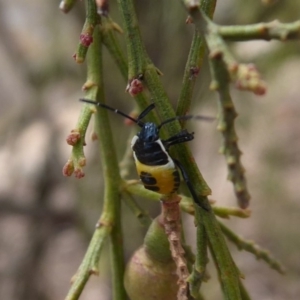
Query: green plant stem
x,y
251,247
112,180
244,292
92,19
139,213
110,220
193,65
89,264
109,29
136,52
229,277
230,291
274,30
198,273
227,212
134,187
127,160
77,158
230,148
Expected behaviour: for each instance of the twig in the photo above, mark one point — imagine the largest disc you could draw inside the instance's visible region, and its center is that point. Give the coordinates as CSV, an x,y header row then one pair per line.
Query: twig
x,y
226,125
139,213
227,212
134,187
86,36
171,221
274,30
109,223
193,64
198,274
109,29
253,248
137,58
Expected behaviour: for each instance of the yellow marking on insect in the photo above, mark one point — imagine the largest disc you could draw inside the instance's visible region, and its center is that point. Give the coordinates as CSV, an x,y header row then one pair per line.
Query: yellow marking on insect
x,y
166,177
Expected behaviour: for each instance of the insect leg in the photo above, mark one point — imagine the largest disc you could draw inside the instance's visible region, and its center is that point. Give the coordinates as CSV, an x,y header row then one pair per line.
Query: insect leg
x,y
190,186
180,137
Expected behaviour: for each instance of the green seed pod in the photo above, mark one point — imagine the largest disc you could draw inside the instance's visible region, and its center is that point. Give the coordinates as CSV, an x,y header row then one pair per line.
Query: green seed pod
x,y
151,272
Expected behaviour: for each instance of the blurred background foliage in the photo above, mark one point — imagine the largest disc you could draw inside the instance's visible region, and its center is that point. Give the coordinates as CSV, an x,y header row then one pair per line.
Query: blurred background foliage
x,y
46,220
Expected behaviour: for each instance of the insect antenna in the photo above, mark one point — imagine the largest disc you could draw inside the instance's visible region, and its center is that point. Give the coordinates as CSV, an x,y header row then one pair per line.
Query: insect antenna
x,y
146,111
188,117
137,121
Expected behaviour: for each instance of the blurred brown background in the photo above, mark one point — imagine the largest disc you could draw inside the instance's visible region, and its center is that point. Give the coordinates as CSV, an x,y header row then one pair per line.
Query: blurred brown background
x,y
46,220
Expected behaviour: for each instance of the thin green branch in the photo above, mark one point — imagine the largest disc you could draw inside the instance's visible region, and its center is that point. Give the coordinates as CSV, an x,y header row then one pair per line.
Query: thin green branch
x,y
224,212
110,220
194,63
86,36
136,52
274,30
230,149
139,213
251,247
228,294
134,187
76,138
127,159
109,29
112,181
244,292
198,274
229,277
90,262
227,212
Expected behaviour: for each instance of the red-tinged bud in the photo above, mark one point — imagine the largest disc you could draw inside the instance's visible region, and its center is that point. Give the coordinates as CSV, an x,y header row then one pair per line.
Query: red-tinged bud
x,y
151,272
73,138
86,39
78,173
194,71
135,87
68,168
